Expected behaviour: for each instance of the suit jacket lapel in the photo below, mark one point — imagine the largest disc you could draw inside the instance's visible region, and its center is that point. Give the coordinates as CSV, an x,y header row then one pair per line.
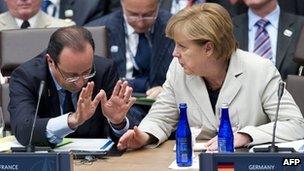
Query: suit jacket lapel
x,y
64,5
52,98
198,90
50,93
159,47
43,20
232,83
283,41
8,21
118,39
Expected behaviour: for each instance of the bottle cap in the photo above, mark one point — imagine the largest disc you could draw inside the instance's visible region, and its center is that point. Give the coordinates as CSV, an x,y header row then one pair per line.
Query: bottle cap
x,y
183,105
225,105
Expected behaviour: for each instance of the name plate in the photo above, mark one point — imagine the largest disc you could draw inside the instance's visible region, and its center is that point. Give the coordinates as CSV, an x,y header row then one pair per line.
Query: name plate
x,y
251,161
36,161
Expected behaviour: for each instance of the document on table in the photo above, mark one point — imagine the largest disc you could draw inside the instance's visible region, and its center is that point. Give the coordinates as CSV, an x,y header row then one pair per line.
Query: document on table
x,y
85,144
197,147
297,145
67,144
195,164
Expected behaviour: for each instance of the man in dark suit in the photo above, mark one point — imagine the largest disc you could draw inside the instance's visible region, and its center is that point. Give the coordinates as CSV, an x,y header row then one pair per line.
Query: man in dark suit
x,y
293,6
283,30
3,7
82,11
74,100
139,27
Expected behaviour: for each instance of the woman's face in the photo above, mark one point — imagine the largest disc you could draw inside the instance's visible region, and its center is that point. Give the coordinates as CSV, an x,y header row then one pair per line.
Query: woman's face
x,y
194,58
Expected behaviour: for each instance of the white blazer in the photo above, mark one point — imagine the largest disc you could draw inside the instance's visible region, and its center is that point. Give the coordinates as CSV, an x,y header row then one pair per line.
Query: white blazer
x,y
250,90
8,22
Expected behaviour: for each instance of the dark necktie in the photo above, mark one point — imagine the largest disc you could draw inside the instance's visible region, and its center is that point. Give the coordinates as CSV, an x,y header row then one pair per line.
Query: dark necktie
x,y
45,4
25,24
262,44
143,54
68,103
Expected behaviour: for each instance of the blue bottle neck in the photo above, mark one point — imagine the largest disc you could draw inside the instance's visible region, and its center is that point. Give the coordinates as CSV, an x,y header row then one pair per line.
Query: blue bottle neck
x,y
225,115
183,114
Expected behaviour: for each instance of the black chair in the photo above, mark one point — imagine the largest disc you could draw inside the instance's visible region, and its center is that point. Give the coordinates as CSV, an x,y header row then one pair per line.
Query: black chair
x,y
18,46
295,83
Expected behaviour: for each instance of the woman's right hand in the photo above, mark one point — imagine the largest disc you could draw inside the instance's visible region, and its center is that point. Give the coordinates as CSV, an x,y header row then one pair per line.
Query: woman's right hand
x,y
133,139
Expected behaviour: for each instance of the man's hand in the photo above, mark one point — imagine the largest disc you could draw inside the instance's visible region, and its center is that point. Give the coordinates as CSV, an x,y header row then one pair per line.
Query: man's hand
x,y
116,108
85,106
240,140
153,92
133,139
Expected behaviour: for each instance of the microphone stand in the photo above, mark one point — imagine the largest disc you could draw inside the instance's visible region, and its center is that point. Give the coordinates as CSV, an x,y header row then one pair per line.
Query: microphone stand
x,y
273,148
30,147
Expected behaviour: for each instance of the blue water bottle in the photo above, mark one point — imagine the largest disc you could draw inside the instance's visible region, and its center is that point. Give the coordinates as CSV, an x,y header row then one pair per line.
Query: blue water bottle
x,y
225,134
183,139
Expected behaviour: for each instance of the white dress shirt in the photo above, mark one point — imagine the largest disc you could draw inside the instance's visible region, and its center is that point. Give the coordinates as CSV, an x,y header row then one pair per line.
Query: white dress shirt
x,y
32,21
131,39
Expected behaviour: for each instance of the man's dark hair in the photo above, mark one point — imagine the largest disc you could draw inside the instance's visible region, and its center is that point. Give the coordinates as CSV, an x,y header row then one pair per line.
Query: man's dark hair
x,y
74,37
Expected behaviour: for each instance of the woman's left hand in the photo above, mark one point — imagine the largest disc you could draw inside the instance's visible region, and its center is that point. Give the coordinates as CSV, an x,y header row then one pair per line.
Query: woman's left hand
x,y
240,140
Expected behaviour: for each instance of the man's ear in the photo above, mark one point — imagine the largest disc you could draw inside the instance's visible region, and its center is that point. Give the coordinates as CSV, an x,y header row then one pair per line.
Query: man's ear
x,y
49,60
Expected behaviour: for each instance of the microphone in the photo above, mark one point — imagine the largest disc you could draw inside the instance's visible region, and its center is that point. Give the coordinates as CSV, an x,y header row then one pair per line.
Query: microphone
x,y
30,147
273,147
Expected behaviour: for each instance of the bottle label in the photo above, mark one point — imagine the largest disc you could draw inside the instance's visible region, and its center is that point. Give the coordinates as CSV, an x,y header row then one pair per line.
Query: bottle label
x,y
225,145
183,150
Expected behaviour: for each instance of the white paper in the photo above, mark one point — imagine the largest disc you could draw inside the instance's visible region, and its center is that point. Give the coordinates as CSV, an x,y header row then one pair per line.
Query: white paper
x,y
297,145
195,164
196,146
87,145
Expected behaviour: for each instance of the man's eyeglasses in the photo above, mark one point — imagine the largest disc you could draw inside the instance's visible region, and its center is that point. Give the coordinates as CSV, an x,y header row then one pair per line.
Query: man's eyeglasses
x,y
133,18
76,78
149,17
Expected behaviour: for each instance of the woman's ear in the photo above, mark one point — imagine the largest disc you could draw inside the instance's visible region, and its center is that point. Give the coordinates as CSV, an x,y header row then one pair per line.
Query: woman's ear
x,y
209,48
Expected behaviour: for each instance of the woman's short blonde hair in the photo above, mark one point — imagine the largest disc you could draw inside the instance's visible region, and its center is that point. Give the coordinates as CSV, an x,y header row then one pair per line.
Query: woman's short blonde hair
x,y
205,22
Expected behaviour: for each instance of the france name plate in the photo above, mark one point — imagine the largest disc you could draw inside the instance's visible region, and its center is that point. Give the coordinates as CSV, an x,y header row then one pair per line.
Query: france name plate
x,y
36,162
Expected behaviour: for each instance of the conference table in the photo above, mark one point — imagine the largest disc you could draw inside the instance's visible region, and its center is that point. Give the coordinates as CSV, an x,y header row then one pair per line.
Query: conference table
x,y
156,159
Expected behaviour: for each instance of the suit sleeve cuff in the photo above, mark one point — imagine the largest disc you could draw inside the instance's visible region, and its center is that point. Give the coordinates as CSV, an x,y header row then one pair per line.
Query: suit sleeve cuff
x,y
120,132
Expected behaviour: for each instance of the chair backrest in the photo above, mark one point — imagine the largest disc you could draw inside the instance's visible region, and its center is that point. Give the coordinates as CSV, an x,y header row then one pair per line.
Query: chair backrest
x,y
295,83
18,46
4,89
295,86
299,53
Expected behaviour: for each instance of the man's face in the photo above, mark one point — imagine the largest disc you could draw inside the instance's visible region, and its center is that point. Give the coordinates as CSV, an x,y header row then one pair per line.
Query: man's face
x,y
23,9
73,64
257,3
140,14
